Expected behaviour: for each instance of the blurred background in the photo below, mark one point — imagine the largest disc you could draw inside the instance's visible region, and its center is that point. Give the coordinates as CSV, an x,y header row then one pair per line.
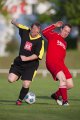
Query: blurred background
x,y
46,12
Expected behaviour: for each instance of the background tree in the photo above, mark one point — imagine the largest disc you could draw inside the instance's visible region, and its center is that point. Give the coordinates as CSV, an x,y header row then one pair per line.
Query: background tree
x,y
68,10
72,10
2,11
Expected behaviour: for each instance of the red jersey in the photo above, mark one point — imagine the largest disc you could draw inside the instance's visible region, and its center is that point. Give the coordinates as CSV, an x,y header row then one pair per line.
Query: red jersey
x,y
56,52
56,49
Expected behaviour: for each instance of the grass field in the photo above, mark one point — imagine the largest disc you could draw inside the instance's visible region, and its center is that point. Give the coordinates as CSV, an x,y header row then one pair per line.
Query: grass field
x,y
45,108
72,60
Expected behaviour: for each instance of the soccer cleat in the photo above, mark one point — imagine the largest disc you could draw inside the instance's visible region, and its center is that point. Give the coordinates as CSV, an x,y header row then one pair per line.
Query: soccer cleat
x,y
65,103
58,100
18,102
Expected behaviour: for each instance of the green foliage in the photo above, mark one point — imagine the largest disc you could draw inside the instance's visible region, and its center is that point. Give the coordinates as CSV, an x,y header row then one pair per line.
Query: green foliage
x,y
45,18
68,10
72,9
59,7
3,12
71,43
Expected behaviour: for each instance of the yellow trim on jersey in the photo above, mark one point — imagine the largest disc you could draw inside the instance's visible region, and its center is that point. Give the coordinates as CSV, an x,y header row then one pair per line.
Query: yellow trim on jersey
x,y
23,27
34,38
35,72
42,50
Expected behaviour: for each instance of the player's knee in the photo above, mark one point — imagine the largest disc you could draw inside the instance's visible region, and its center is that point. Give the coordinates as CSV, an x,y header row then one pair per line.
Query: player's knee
x,y
70,86
26,84
63,82
10,79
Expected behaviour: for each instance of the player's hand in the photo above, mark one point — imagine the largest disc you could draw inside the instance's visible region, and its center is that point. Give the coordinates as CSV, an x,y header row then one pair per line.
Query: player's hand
x,y
59,24
24,58
13,21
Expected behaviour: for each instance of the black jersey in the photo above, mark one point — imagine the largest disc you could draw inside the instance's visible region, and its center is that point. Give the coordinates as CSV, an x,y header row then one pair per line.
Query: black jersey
x,y
29,45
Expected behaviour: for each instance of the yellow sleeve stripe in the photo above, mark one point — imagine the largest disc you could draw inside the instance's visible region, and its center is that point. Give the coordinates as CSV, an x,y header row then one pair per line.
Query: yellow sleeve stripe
x,y
42,50
35,72
23,27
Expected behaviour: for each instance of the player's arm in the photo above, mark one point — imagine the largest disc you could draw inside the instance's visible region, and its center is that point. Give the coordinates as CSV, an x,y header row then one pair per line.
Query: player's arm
x,y
14,23
39,51
48,29
18,25
30,58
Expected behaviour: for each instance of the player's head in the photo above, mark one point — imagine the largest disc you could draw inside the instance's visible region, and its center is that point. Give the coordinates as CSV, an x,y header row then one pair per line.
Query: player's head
x,y
65,30
35,29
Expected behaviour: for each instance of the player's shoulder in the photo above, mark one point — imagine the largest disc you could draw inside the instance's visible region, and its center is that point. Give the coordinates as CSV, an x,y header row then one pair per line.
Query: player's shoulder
x,y
24,27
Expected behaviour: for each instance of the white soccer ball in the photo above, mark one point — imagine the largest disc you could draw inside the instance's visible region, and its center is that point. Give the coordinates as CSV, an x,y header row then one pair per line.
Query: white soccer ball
x,y
30,98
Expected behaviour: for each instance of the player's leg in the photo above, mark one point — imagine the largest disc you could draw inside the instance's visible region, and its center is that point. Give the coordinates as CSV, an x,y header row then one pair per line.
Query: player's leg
x,y
12,77
14,73
68,77
27,79
63,87
24,89
57,94
70,83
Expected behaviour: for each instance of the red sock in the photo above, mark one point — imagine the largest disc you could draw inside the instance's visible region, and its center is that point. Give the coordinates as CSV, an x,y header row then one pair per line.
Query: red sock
x,y
63,93
58,93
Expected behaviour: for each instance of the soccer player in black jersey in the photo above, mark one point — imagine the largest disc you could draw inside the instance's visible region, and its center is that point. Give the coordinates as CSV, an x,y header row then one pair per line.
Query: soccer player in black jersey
x,y
25,65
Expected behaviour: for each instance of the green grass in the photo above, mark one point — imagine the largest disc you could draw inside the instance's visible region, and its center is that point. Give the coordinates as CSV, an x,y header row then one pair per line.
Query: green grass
x,y
72,60
44,108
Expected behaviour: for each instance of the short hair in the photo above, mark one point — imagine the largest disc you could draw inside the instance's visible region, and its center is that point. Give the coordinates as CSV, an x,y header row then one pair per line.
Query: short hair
x,y
66,25
36,24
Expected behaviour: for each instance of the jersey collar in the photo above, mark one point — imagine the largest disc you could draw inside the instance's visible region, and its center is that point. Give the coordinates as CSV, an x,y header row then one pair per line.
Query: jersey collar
x,y
34,38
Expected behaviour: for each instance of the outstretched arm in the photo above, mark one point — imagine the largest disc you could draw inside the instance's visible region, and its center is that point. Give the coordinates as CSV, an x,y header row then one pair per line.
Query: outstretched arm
x,y
19,25
15,23
48,29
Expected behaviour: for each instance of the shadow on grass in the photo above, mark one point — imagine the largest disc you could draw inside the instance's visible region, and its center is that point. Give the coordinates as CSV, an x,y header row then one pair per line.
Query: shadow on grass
x,y
75,100
48,98
7,102
43,97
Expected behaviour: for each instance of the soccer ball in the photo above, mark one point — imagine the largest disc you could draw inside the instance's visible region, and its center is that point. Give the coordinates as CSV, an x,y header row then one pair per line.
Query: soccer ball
x,y
30,98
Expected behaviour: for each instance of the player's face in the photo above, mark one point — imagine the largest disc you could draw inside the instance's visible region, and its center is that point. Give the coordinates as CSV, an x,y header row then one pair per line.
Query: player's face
x,y
65,31
35,31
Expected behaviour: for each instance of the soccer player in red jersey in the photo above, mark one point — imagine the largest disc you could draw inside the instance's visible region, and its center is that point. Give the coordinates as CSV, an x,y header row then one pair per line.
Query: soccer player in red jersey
x,y
56,52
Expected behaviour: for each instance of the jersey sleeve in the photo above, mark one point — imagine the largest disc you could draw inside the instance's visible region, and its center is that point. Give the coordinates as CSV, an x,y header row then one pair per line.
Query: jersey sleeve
x,y
48,30
40,49
21,28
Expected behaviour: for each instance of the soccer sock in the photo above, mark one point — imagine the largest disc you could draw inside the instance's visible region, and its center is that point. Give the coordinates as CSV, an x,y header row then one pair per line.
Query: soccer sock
x,y
64,93
58,93
23,93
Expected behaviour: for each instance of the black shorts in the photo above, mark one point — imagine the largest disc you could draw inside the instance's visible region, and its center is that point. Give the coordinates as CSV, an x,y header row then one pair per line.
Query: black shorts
x,y
25,70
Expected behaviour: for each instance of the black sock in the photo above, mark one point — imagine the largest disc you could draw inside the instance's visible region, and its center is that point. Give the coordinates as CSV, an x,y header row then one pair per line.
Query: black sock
x,y
23,93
